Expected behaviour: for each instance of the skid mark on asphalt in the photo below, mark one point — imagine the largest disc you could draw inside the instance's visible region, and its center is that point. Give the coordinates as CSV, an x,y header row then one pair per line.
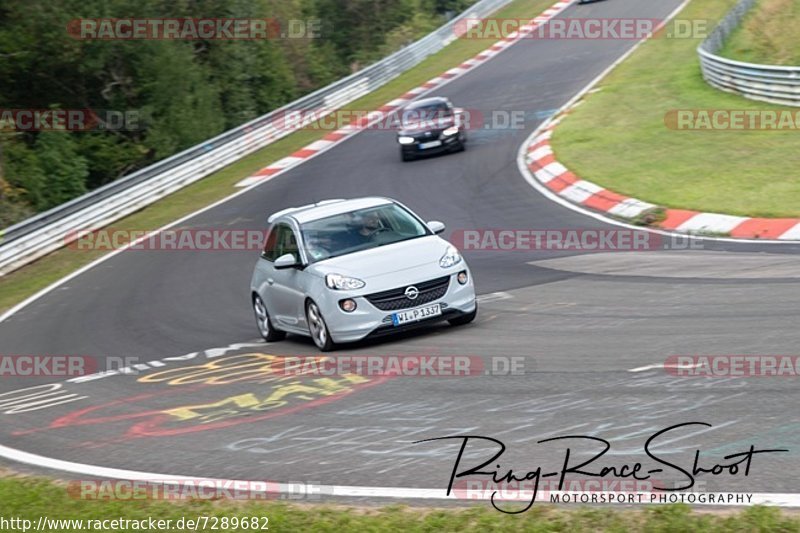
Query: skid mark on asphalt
x,y
607,413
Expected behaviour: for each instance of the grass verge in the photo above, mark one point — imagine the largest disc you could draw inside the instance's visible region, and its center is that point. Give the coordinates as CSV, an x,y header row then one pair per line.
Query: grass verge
x,y
619,137
767,35
32,498
25,282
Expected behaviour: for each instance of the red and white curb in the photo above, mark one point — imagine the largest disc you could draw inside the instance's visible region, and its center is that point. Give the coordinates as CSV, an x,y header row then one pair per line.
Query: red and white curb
x,y
338,136
538,165
545,168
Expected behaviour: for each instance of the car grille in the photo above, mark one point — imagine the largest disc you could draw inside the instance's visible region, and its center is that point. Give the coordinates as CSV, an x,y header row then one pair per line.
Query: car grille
x,y
395,299
422,138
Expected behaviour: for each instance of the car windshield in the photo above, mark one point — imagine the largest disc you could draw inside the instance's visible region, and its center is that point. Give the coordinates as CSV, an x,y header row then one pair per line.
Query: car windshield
x,y
427,113
359,230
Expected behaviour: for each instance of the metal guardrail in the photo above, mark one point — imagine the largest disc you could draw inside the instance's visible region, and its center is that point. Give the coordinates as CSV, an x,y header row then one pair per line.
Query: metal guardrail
x,y
769,83
39,235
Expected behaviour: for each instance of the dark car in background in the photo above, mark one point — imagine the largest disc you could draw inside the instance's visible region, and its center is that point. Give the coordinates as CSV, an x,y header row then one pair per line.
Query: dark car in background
x,y
429,126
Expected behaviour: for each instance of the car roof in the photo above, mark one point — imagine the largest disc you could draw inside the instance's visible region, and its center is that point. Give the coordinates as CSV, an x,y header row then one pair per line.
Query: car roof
x,y
328,208
427,102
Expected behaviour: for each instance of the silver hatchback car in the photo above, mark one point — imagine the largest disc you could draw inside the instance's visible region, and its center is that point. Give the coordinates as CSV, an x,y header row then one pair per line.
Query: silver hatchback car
x,y
342,270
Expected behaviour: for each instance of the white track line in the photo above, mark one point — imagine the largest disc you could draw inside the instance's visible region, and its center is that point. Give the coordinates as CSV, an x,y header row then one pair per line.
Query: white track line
x,y
659,366
757,498
775,499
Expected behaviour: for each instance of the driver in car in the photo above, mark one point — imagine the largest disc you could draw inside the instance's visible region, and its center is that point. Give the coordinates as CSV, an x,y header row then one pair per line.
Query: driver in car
x,y
370,225
361,229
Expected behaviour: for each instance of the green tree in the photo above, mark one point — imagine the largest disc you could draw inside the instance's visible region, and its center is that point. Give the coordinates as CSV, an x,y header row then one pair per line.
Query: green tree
x,y
22,172
179,97
65,171
186,91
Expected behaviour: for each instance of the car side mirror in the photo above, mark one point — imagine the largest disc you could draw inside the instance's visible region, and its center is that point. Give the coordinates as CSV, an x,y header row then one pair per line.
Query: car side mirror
x,y
286,261
436,227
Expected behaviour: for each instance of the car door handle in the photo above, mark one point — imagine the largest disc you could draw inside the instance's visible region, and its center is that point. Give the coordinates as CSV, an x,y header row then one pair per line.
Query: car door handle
x,y
270,281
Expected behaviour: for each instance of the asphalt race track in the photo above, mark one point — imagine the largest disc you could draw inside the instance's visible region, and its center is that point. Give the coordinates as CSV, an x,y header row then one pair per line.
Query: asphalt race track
x,y
579,324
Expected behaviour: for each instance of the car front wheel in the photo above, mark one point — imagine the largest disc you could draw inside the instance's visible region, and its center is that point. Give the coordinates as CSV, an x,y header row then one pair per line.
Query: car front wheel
x,y
264,323
318,328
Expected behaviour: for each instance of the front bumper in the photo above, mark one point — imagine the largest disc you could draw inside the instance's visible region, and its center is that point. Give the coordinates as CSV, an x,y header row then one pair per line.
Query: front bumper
x,y
448,143
369,321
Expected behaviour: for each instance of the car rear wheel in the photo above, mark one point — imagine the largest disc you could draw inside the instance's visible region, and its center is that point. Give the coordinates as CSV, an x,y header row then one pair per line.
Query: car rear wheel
x,y
318,328
264,323
464,319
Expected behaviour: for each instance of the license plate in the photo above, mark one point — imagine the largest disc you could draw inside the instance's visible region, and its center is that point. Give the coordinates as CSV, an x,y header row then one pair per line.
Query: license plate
x,y
430,144
413,315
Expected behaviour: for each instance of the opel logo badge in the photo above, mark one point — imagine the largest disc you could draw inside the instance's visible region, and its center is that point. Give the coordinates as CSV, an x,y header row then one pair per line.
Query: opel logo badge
x,y
412,292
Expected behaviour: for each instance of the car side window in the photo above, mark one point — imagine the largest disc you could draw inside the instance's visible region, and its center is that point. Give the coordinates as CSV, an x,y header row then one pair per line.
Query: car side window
x,y
288,242
270,245
281,240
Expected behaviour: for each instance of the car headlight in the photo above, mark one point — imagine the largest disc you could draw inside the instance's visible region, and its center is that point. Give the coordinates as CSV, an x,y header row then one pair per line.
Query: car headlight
x,y
450,258
405,140
343,283
452,130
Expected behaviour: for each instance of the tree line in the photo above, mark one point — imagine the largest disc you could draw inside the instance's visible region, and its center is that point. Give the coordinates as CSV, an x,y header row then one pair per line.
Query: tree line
x,y
180,92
